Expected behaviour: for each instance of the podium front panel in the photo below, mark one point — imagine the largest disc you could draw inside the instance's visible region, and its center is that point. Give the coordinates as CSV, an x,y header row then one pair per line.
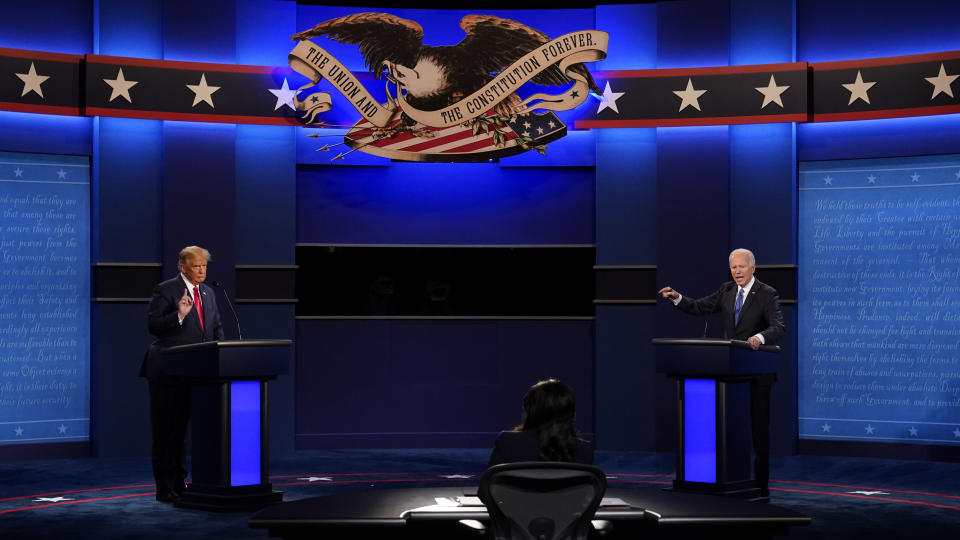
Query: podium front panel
x,y
699,427
245,433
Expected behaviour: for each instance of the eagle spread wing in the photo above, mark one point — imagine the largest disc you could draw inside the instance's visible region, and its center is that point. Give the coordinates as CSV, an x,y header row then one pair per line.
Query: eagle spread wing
x,y
493,43
380,37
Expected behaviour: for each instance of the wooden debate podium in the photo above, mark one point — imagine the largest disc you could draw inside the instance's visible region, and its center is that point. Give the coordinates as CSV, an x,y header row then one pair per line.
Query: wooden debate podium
x,y
230,449
714,444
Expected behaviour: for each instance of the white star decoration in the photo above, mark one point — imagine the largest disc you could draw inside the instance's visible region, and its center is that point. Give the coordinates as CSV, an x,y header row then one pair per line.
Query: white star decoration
x,y
913,431
771,93
689,97
32,81
51,499
915,178
284,95
828,181
62,174
942,82
18,172
956,433
609,99
62,429
825,427
869,429
317,479
202,92
858,89
871,179
18,432
957,174
121,87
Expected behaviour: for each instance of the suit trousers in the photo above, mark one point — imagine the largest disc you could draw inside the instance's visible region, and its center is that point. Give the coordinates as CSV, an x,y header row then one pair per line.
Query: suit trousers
x,y
169,416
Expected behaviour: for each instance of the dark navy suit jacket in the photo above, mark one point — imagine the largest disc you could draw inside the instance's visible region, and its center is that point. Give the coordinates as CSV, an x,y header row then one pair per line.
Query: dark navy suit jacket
x,y
760,313
513,446
163,323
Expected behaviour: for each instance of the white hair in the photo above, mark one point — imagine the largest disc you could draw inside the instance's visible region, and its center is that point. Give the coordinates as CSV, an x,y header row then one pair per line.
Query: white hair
x,y
747,252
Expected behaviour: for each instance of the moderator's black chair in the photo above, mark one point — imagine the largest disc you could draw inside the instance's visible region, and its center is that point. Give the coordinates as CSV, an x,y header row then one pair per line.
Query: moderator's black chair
x,y
541,500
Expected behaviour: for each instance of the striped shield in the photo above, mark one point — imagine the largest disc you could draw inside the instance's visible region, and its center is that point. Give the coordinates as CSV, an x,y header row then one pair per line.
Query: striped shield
x,y
490,138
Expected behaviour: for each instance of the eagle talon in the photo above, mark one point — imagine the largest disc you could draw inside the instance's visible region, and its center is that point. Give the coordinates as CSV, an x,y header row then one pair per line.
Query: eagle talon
x,y
390,132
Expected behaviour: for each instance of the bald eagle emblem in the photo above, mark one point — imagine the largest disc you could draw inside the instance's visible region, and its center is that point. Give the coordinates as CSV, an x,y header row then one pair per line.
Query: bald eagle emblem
x,y
466,102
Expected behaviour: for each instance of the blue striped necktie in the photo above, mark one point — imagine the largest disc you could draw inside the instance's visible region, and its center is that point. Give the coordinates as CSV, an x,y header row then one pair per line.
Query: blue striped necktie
x,y
736,309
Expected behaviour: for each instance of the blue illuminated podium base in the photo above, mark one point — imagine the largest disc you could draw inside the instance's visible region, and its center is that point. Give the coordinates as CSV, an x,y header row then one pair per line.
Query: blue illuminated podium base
x,y
714,377
230,433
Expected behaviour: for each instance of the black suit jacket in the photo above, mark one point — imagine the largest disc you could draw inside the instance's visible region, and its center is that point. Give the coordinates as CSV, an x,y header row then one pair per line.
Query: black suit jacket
x,y
514,446
163,323
760,313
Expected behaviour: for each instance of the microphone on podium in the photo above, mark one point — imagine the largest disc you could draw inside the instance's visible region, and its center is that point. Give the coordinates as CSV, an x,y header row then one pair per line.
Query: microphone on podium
x,y
236,319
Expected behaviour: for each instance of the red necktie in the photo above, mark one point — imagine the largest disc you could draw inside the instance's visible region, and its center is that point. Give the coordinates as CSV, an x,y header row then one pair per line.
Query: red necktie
x,y
196,300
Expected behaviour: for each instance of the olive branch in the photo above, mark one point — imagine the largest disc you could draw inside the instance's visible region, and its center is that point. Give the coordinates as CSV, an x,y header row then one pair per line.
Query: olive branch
x,y
493,125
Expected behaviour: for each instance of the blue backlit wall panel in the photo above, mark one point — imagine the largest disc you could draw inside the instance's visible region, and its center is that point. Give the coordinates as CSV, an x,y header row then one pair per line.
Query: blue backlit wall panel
x,y
693,202
199,197
266,194
29,132
693,34
875,29
626,183
200,31
129,169
264,30
633,32
132,29
878,138
763,191
462,204
64,26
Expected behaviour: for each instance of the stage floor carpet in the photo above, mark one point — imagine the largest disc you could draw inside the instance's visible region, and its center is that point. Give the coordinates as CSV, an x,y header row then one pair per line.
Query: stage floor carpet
x,y
848,498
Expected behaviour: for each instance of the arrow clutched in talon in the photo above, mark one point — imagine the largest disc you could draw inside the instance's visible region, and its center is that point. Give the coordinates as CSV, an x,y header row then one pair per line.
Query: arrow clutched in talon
x,y
326,147
348,152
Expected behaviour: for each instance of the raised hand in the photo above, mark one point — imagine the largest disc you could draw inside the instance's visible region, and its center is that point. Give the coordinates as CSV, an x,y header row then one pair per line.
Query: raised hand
x,y
185,304
667,292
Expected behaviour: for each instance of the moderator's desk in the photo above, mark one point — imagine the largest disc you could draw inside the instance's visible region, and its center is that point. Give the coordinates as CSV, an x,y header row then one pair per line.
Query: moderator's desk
x,y
386,513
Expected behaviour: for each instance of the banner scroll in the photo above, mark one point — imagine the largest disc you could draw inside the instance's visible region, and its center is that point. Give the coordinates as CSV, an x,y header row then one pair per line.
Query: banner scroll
x,y
313,62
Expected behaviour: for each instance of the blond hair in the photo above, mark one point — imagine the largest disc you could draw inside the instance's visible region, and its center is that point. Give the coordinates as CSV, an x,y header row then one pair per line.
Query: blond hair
x,y
193,251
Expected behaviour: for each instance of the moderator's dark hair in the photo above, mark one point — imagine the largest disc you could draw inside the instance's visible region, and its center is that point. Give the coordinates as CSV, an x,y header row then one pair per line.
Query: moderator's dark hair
x,y
549,408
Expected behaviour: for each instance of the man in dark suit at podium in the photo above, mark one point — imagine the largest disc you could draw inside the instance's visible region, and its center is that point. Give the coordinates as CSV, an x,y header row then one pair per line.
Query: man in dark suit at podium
x,y
751,313
182,310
